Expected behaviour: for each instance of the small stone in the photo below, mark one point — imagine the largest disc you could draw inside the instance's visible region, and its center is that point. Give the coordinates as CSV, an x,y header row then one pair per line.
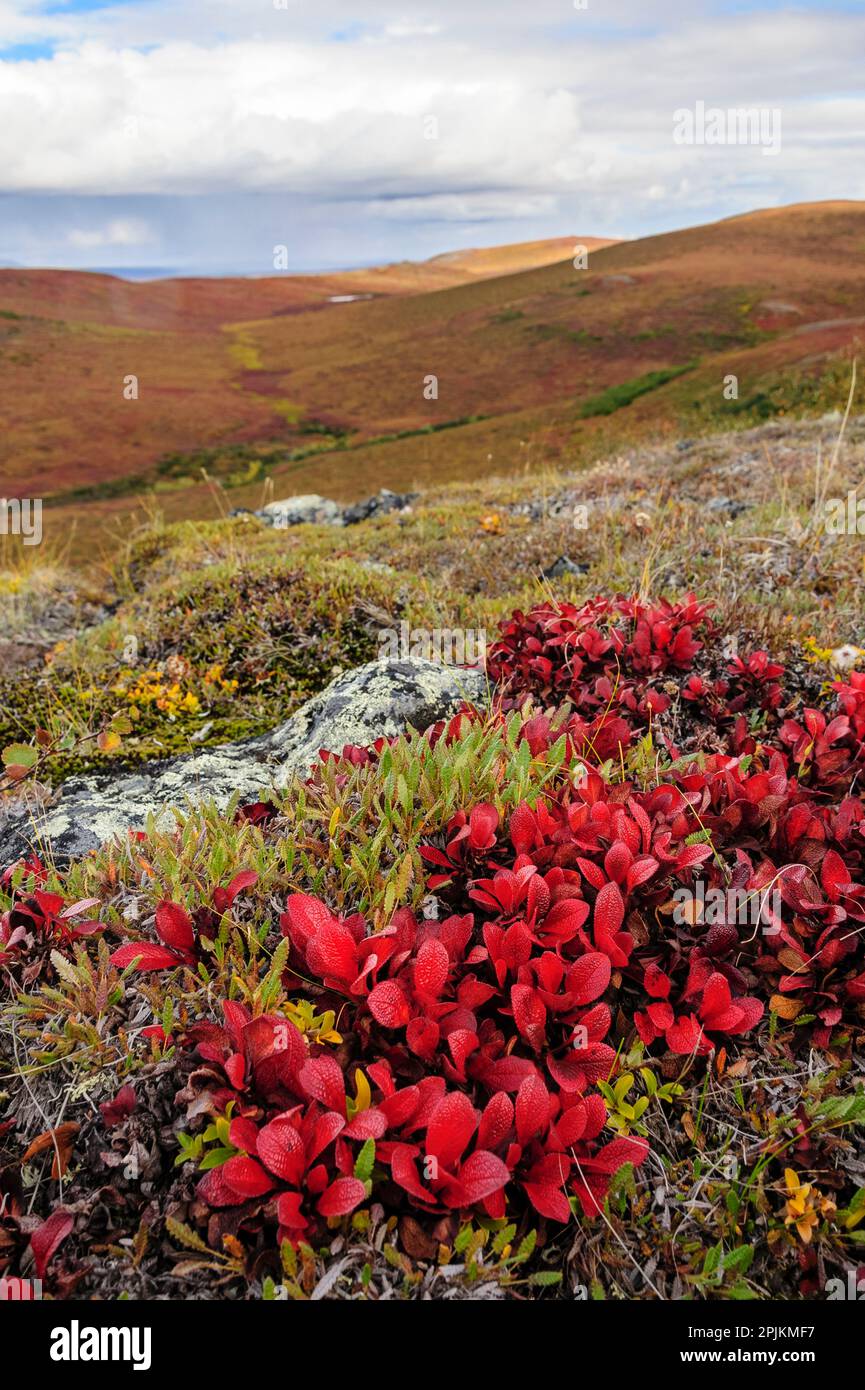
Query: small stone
x,y
564,566
729,505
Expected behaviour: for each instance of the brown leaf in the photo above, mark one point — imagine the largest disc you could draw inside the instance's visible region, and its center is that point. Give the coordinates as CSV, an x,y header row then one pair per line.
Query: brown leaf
x,y
785,1007
61,1140
792,961
415,1241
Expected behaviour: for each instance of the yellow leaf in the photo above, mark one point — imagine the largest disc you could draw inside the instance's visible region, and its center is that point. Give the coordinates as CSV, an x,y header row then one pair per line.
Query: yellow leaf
x,y
791,1178
334,819
108,741
785,1007
363,1099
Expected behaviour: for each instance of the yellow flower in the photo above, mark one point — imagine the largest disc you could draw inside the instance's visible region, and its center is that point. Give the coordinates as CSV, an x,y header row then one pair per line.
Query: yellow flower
x,y
804,1206
813,653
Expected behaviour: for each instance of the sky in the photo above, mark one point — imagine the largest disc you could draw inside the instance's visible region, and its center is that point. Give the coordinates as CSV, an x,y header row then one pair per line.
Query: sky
x,y
201,135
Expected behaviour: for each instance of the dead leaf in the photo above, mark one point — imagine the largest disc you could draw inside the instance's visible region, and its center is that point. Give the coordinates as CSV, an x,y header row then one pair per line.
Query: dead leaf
x,y
785,1007
61,1140
415,1241
792,961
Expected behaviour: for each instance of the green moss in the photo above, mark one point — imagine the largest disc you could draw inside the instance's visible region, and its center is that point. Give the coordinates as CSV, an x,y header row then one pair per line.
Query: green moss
x,y
615,397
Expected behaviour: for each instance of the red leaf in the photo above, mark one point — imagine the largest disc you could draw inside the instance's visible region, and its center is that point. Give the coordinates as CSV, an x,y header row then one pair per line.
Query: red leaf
x,y
496,1121
614,1155
431,968
245,879
523,829
686,1036
482,825
47,1238
549,1201
388,1005
280,1149
149,956
582,1068
246,1177
508,1073
173,927
341,1197
323,1080
530,1015
453,1123
404,1171
367,1124
609,910
532,1108
115,1111
288,1211
332,953
481,1175
589,976
422,1036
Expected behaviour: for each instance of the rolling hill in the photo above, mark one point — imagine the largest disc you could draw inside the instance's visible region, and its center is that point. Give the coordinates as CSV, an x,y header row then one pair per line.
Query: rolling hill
x,y
326,383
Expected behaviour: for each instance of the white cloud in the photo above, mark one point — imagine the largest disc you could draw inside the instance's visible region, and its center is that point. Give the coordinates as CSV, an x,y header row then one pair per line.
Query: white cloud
x,y
542,112
119,232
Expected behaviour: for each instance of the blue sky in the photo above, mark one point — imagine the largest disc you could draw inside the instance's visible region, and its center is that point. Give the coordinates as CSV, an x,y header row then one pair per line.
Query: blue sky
x,y
201,134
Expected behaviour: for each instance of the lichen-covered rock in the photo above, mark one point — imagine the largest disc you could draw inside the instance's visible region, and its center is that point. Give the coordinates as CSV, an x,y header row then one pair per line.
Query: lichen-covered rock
x,y
323,511
294,511
383,697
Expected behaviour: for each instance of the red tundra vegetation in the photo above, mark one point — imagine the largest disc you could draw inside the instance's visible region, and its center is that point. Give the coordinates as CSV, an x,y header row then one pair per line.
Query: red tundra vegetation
x,y
471,1042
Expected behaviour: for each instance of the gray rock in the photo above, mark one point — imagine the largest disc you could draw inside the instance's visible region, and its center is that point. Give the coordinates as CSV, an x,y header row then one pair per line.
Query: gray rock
x,y
564,566
383,697
384,501
295,511
730,506
323,511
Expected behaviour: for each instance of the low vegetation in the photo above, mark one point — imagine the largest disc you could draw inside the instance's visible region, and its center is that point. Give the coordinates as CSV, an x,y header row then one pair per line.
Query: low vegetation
x,y
452,1016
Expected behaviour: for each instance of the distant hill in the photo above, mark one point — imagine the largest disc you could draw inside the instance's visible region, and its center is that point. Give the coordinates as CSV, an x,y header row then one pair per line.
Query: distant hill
x,y
313,382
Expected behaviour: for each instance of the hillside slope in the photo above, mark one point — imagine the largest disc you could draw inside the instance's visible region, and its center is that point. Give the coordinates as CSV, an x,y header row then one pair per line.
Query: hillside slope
x,y
521,364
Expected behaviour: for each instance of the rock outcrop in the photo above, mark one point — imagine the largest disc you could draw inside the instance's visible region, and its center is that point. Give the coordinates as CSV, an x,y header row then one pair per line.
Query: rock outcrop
x,y
311,508
383,697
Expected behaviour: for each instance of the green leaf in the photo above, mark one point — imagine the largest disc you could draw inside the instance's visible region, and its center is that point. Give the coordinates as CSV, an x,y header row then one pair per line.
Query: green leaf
x,y
504,1237
20,755
699,837
186,1236
363,1164
739,1260
215,1157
